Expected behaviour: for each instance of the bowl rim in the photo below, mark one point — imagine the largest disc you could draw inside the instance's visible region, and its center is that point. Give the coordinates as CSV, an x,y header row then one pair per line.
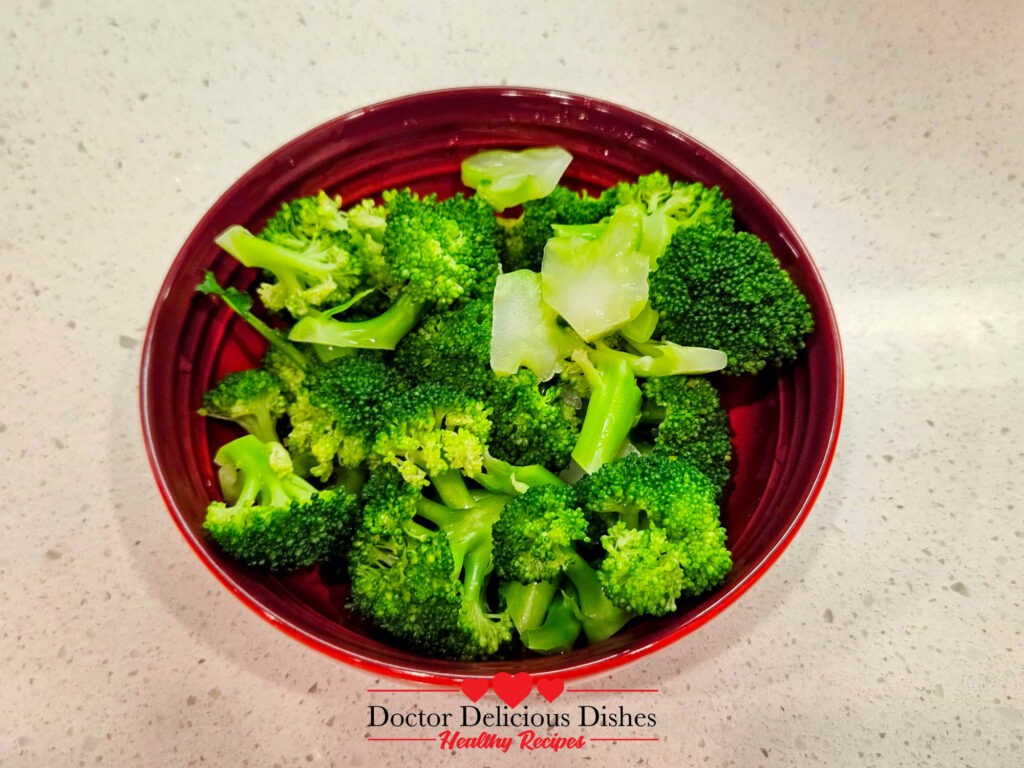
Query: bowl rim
x,y
422,674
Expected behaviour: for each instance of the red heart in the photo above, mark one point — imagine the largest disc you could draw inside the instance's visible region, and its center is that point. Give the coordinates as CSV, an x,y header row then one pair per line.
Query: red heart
x,y
475,688
550,687
512,689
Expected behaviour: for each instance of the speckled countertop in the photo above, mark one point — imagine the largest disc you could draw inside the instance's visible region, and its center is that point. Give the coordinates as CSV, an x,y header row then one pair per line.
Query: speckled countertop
x,y
889,634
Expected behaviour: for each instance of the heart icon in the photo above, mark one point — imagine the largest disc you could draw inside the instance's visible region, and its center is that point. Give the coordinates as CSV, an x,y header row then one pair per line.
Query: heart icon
x,y
475,688
550,687
512,689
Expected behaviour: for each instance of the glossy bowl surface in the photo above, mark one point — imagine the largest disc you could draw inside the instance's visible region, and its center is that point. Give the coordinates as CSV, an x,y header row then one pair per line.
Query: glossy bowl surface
x,y
786,422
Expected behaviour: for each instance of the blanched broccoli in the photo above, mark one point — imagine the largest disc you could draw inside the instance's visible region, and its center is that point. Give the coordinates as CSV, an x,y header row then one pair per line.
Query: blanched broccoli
x,y
727,291
317,254
531,422
535,551
254,399
431,432
273,517
422,570
670,205
437,253
657,513
685,419
337,411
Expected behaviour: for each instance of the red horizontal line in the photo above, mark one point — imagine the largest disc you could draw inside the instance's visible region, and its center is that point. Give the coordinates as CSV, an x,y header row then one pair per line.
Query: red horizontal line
x,y
381,738
412,690
612,690
624,738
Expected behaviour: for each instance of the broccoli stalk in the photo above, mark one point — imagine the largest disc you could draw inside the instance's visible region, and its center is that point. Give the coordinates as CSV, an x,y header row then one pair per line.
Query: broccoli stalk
x,y
612,410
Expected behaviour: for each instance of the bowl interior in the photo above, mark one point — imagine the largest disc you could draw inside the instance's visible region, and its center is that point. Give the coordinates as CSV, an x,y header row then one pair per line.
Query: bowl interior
x,y
786,422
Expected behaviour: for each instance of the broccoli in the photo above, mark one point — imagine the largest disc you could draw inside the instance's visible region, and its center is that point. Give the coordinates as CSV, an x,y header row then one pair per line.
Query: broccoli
x,y
531,422
275,518
536,537
658,515
727,291
438,253
686,419
336,414
422,570
613,407
254,399
670,205
525,237
317,254
431,433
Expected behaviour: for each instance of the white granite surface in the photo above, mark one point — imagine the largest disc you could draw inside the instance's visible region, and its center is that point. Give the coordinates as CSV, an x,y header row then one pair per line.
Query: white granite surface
x,y
890,134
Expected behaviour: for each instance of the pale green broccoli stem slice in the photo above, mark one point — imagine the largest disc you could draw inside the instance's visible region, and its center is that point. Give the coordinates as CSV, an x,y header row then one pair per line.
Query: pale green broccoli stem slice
x,y
524,329
612,410
241,303
502,477
506,178
381,332
663,358
598,285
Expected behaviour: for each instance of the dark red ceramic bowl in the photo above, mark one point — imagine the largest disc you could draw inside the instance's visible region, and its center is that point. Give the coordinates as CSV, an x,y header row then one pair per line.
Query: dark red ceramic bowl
x,y
786,422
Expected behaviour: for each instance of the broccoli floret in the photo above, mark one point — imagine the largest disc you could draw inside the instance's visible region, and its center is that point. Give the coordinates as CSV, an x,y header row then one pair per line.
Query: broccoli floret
x,y
655,493
316,254
535,551
670,205
253,399
531,422
337,411
422,570
727,291
437,253
525,237
431,431
682,416
275,518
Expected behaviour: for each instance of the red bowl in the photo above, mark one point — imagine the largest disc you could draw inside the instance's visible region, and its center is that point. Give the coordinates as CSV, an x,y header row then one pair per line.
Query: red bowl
x,y
786,422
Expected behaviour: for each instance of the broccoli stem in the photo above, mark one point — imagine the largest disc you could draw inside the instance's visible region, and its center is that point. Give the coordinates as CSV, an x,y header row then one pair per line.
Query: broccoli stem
x,y
286,264
502,477
241,303
528,604
600,617
381,332
559,631
451,489
612,410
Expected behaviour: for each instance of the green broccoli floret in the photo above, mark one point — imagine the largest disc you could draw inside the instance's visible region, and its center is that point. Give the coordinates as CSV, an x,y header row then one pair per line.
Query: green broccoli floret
x,y
670,205
431,432
317,254
274,518
253,399
673,506
337,411
437,253
525,237
683,417
422,570
727,291
531,422
535,552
